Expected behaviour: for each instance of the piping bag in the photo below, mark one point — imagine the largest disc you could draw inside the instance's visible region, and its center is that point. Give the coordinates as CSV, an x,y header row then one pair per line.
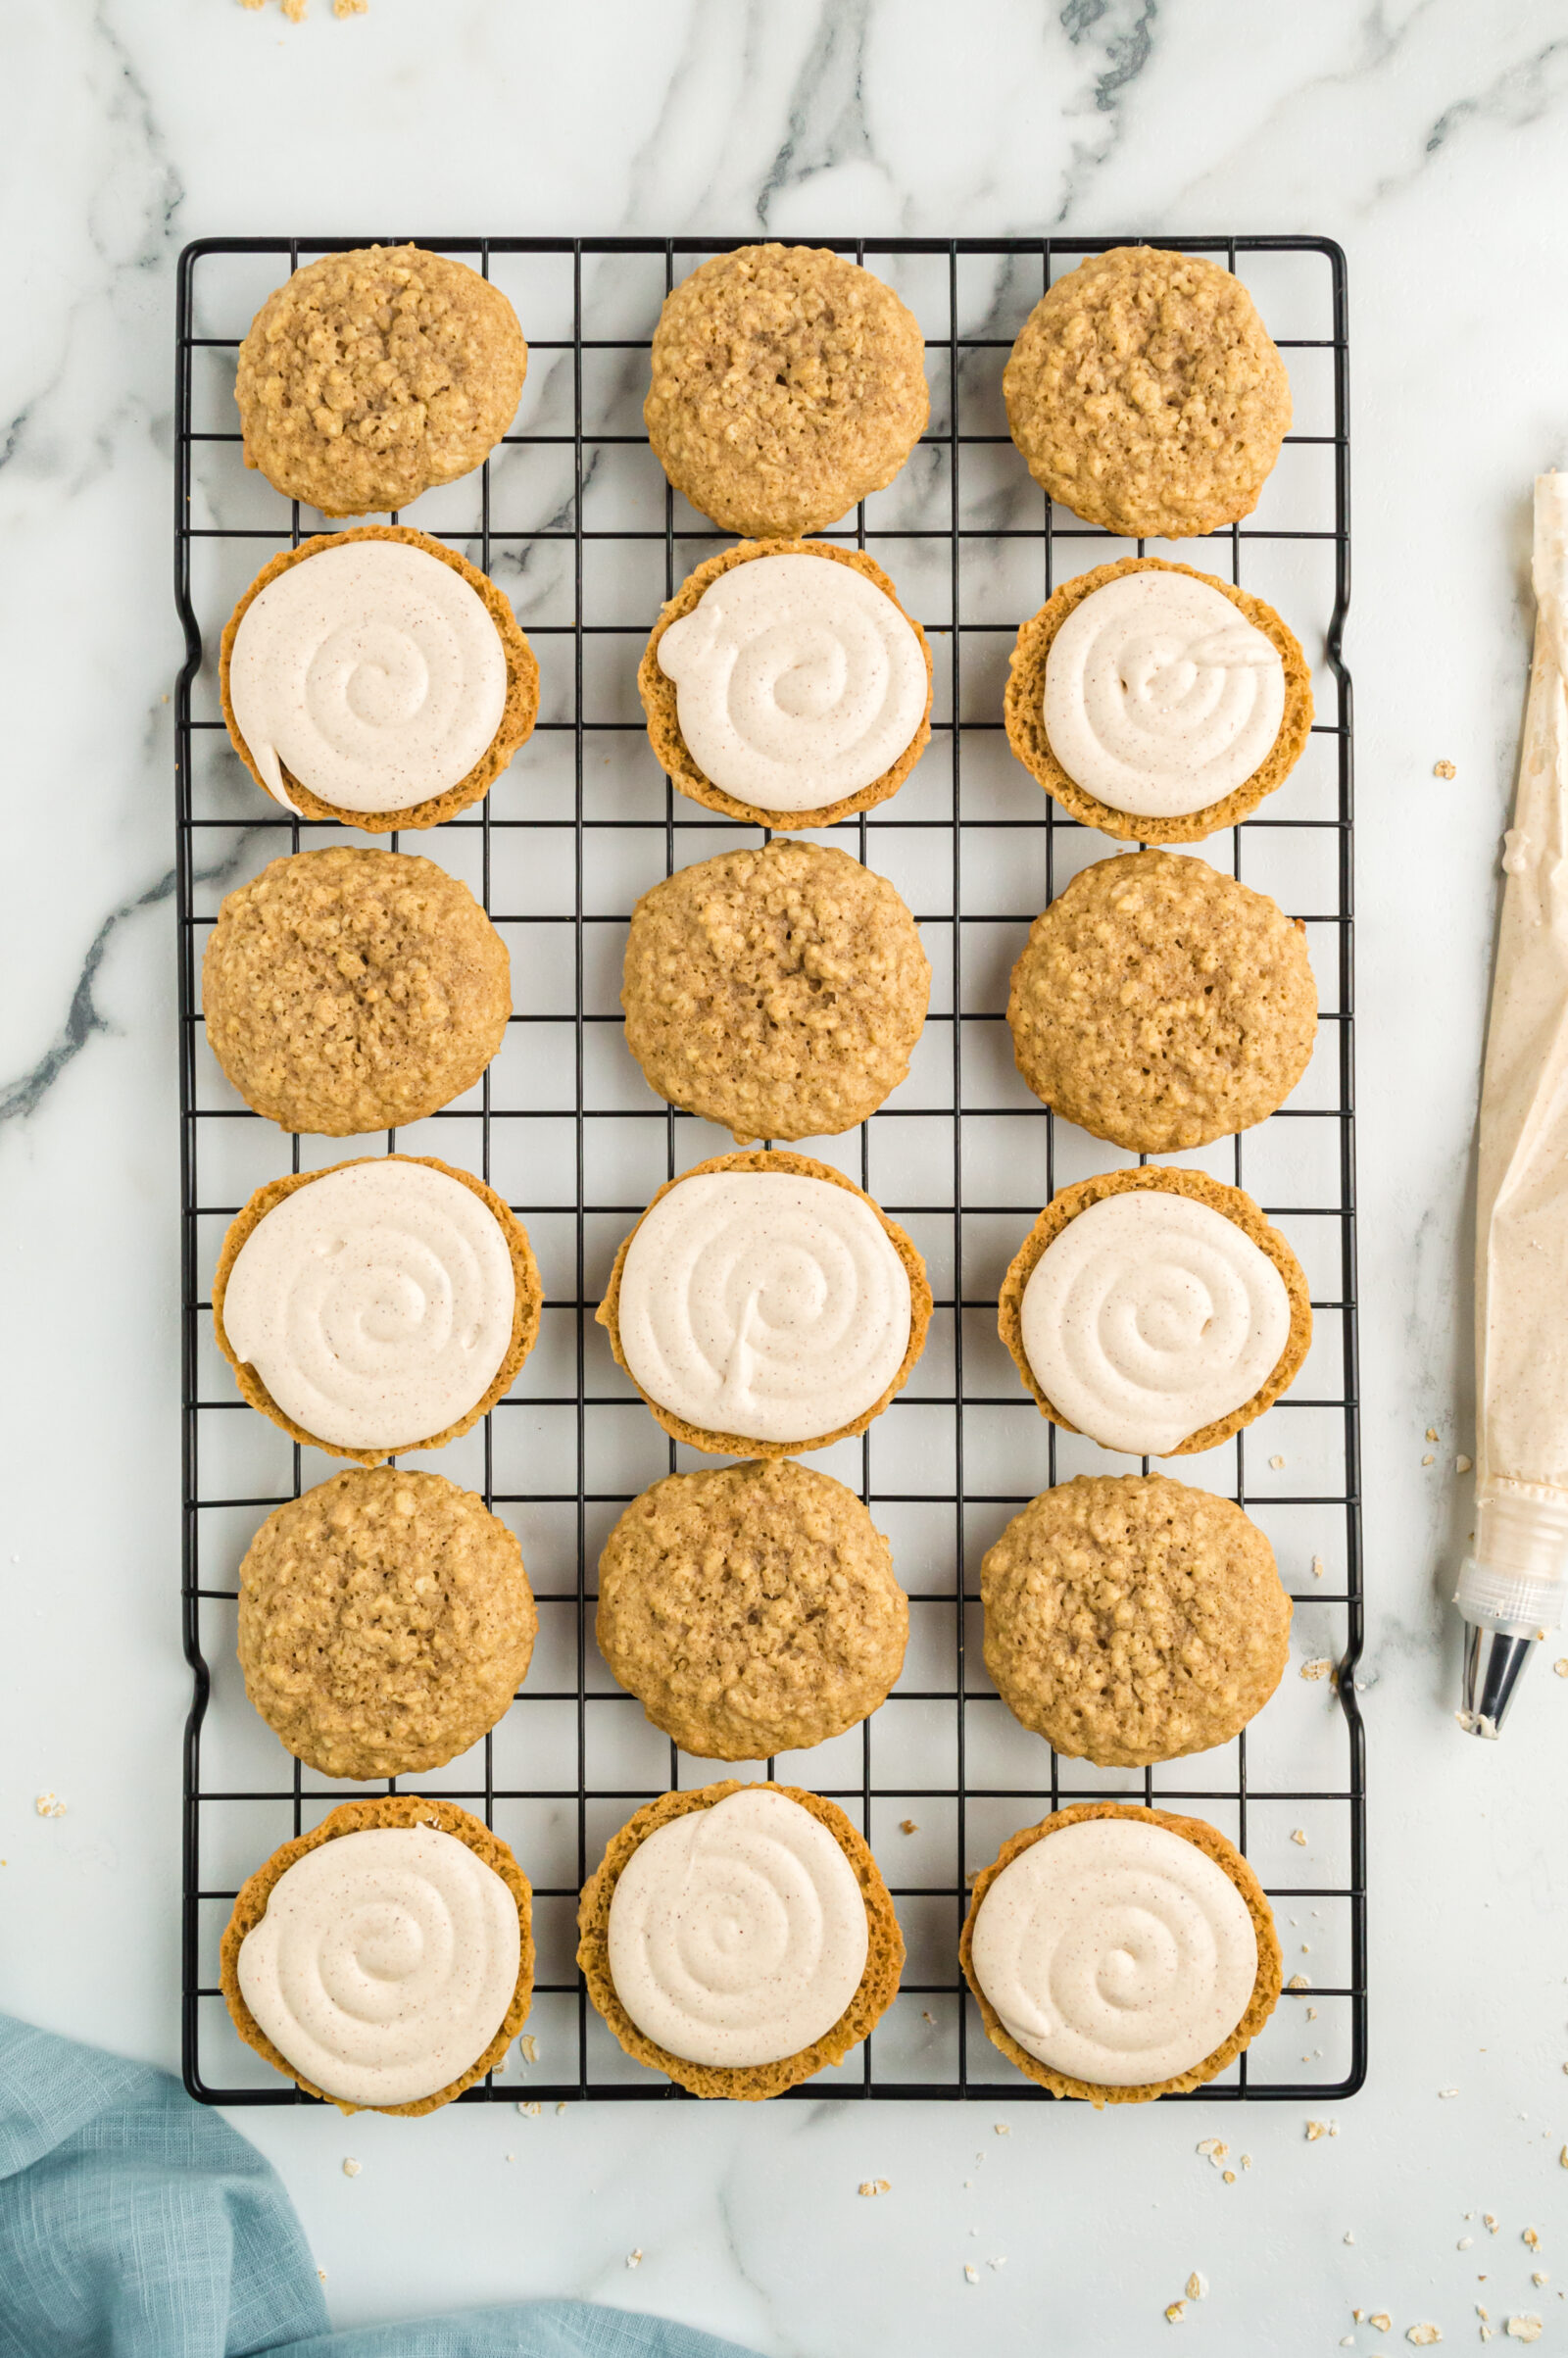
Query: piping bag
x,y
1513,1587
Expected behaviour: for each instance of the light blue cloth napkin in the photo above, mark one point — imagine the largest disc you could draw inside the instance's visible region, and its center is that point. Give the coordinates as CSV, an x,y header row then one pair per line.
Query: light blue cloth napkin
x,y
136,2224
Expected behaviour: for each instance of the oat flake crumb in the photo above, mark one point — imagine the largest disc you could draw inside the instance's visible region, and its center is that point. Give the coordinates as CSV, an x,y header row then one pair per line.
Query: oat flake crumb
x,y
1278,1463
1530,2237
1299,1835
1381,2319
1210,2145
1423,2336
1319,1669
530,2112
49,1805
1298,1980
1196,2286
528,2044
1444,770
1525,2326
1002,2128
874,2186
350,2168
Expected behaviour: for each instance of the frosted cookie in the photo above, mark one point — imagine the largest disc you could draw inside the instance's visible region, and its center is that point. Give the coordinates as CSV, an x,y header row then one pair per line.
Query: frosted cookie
x,y
375,1306
786,383
1131,1619
1159,1004
1120,1953
1155,1310
738,1938
375,375
751,1609
764,1307
352,990
385,1959
385,1622
778,991
377,677
1156,703
1146,396
785,685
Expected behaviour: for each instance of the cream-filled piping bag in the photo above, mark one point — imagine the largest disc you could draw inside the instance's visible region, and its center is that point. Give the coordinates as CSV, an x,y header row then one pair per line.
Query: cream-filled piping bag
x,y
1513,1586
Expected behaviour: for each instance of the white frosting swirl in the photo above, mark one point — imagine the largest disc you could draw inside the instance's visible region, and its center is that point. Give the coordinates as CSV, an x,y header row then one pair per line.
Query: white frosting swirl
x,y
798,681
1150,1316
384,1964
738,1934
1161,697
375,1303
1117,1952
374,672
762,1304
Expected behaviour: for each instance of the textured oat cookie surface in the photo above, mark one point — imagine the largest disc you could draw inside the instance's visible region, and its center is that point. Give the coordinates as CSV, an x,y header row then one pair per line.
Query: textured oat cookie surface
x,y
358,1817
1159,1004
1146,396
661,697
1129,1618
352,990
741,1445
786,383
385,1622
526,1304
368,378
521,711
778,989
1235,1205
752,1609
879,1983
1214,1844
1024,715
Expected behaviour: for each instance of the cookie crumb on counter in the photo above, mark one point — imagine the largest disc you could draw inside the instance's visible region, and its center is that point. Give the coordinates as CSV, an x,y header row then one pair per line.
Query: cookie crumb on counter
x,y
1318,1669
1539,2275
1463,1465
1317,1567
1175,2313
1299,1835
874,2186
528,2047
1278,1464
1528,2235
1423,2336
1444,770
634,2259
1002,2128
1448,2091
1380,2320
1489,2220
1524,2327
1246,2161
908,1826
1196,2286
971,2273
350,2168
49,1805
1429,1460
530,2112
1560,1666
1464,2243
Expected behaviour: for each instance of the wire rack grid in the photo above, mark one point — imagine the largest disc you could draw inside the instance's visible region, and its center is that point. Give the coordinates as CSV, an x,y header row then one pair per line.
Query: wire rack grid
x,y
572,515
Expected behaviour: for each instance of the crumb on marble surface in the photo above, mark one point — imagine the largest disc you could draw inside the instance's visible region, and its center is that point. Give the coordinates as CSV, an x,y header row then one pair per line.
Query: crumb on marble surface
x,y
49,1805
634,2259
874,2186
1175,2313
1444,770
1196,2286
350,2168
1319,1668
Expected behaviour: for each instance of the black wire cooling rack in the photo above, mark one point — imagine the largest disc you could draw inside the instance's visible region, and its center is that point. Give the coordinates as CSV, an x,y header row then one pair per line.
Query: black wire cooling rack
x,y
573,516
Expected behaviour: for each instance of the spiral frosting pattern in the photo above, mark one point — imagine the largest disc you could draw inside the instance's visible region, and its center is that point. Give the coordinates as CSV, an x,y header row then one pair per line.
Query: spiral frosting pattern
x,y
1116,1952
384,1964
376,1304
798,681
1150,1316
763,1304
738,1934
1161,697
372,673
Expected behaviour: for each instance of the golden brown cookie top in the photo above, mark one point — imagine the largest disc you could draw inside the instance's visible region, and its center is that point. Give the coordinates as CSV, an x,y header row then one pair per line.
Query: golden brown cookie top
x,y
1024,715
351,990
752,1609
879,1983
1131,1619
1145,394
371,376
778,990
385,1622
787,382
1159,1004
1233,1203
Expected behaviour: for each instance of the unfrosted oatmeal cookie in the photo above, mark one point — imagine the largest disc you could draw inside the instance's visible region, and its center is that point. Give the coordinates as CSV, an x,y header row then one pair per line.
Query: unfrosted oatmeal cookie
x,y
385,1622
1146,396
787,382
752,1609
1159,1004
1131,1619
352,990
371,376
779,990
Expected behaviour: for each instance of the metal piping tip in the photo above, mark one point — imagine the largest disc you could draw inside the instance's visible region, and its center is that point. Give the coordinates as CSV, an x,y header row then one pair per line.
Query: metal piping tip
x,y
1494,1662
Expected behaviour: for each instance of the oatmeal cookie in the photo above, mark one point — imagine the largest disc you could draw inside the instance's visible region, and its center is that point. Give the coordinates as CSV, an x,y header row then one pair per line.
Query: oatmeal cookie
x,y
372,376
752,1609
660,699
516,720
1130,1619
787,382
1230,1201
879,1983
1158,1003
360,1817
526,1304
385,1623
778,991
352,990
1023,713
735,1445
1265,1988
1146,396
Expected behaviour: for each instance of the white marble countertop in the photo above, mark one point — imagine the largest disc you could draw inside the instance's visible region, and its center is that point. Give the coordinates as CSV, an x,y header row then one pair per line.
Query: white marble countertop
x,y
1428,137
